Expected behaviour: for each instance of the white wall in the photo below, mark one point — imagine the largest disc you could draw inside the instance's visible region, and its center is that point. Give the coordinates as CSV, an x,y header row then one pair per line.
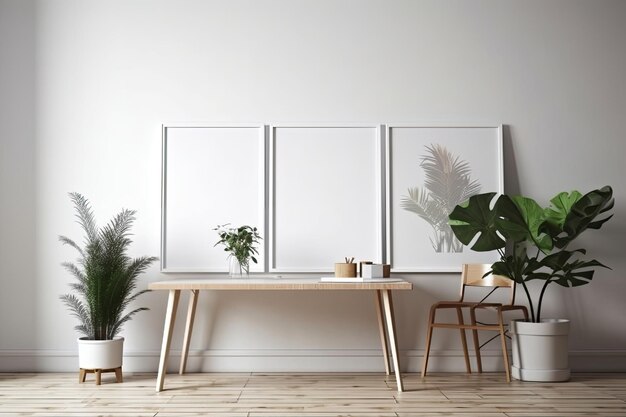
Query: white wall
x,y
18,261
86,85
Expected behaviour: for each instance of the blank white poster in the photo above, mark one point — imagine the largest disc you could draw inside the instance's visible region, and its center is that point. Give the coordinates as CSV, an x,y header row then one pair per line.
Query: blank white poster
x,y
325,199
212,175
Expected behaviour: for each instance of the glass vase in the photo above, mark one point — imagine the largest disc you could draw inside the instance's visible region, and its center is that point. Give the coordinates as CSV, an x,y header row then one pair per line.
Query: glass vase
x,y
234,268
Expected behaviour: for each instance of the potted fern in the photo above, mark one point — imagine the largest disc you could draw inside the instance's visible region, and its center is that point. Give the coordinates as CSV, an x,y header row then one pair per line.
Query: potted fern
x,y
534,244
106,279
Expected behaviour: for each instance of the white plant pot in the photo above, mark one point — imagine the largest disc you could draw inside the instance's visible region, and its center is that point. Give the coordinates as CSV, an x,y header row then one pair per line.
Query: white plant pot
x,y
540,350
100,354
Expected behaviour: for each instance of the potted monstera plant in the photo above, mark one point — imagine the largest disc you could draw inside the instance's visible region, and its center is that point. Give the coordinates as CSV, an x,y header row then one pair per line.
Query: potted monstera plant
x,y
104,287
536,244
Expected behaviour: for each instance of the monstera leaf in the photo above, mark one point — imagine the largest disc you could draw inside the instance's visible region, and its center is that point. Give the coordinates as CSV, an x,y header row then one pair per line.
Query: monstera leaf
x,y
561,205
520,219
584,212
509,220
569,272
555,215
475,217
518,267
517,219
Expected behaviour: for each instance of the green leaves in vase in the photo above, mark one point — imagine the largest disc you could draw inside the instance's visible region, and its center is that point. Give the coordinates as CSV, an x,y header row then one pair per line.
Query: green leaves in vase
x,y
240,242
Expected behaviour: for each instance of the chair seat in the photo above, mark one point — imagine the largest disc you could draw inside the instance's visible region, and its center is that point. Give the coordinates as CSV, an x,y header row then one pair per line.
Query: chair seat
x,y
455,304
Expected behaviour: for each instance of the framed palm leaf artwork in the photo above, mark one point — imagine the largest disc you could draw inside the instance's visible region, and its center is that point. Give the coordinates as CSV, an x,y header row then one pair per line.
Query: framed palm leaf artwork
x,y
431,169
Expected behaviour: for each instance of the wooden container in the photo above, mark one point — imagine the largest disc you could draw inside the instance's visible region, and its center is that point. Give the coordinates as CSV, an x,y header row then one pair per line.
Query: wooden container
x,y
345,270
386,271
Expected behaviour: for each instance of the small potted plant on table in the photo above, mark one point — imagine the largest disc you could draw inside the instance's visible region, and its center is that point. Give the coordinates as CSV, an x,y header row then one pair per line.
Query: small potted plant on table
x,y
533,243
105,280
240,242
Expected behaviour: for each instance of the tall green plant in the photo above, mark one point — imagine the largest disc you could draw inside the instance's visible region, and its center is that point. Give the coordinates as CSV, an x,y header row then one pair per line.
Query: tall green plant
x,y
533,241
448,183
105,275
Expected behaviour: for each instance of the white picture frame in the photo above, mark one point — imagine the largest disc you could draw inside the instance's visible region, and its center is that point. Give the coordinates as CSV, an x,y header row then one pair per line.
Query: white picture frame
x,y
196,161
326,200
419,242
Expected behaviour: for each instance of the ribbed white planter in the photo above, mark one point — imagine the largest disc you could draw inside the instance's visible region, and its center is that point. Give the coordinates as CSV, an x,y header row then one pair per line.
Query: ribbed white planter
x,y
540,350
100,354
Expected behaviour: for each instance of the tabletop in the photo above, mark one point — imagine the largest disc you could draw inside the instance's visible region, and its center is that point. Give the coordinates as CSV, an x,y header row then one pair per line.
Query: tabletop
x,y
264,283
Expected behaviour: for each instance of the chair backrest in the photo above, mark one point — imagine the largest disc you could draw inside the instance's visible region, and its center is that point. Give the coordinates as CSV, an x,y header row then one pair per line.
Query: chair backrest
x,y
472,276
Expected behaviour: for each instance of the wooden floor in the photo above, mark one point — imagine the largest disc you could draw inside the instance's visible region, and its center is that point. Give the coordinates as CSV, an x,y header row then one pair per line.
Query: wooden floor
x,y
60,394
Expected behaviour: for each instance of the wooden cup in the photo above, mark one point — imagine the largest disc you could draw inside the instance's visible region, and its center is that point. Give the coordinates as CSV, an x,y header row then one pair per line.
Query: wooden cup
x,y
345,270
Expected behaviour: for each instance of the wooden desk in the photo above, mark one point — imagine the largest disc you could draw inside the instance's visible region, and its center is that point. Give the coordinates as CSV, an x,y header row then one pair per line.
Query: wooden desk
x,y
382,301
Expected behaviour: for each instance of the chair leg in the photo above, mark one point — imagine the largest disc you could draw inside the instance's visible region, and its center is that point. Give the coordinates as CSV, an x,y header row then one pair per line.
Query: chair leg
x,y
479,362
429,335
504,351
459,315
525,312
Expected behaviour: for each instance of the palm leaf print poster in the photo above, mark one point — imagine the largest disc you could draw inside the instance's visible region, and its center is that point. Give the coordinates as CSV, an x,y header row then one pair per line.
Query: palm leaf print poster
x,y
430,171
448,183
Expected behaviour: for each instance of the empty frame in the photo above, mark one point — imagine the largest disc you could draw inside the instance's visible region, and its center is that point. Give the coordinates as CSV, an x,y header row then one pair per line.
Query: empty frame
x,y
212,175
325,196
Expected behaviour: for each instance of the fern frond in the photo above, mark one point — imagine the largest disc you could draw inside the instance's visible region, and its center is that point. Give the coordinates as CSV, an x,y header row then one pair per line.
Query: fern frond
x,y
114,236
67,241
416,201
139,265
117,326
81,328
448,178
85,216
420,202
78,310
79,288
472,188
75,271
137,294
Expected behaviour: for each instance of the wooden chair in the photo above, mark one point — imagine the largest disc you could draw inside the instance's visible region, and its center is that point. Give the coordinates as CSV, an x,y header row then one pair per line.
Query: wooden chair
x,y
472,276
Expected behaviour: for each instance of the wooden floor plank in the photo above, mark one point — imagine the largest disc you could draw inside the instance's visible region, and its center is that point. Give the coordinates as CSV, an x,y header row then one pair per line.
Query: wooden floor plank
x,y
311,395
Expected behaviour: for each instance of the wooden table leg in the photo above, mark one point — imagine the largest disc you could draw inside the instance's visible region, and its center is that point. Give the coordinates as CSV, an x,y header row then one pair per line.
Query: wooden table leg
x,y
391,330
170,319
381,329
191,312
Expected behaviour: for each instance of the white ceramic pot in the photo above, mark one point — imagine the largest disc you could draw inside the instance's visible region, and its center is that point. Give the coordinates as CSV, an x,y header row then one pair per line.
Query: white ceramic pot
x,y
540,350
100,354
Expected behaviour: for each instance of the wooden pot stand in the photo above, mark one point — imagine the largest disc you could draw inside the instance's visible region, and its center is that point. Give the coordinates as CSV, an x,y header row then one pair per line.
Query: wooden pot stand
x,y
82,374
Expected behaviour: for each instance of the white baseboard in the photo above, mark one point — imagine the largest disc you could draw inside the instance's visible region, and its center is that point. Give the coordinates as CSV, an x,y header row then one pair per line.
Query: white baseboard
x,y
305,360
